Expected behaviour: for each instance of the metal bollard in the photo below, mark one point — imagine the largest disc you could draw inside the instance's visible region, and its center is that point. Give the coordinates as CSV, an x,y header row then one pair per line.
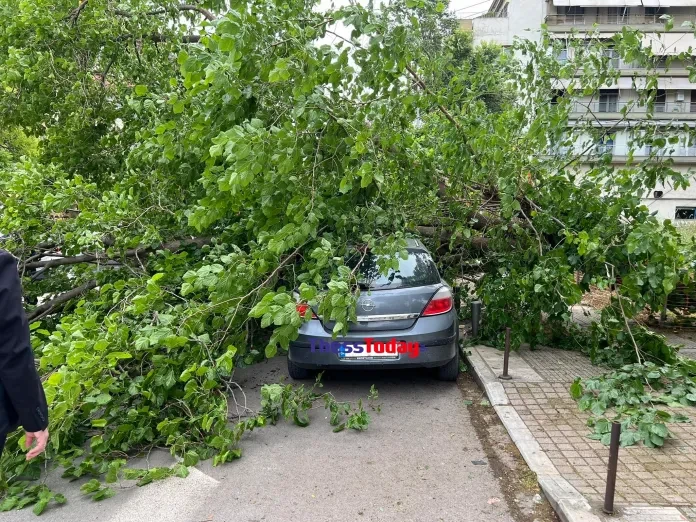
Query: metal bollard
x,y
611,468
506,357
475,318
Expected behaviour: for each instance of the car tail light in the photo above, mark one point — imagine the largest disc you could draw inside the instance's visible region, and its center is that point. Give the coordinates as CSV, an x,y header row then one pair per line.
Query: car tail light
x,y
440,303
302,308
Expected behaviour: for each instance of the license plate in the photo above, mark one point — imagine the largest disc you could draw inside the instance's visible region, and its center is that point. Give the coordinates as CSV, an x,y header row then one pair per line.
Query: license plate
x,y
355,355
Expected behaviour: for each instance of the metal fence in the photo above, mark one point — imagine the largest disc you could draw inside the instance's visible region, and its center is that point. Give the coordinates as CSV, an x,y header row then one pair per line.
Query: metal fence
x,y
620,20
632,107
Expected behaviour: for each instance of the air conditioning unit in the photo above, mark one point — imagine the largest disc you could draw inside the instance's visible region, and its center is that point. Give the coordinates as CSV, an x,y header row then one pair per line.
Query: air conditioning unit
x,y
680,96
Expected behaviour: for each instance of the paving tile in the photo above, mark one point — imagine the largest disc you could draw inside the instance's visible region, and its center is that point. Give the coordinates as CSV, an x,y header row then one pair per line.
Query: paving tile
x,y
647,476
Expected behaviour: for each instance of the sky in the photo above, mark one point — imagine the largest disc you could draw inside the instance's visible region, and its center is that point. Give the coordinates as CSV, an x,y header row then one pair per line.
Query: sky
x,y
469,8
462,8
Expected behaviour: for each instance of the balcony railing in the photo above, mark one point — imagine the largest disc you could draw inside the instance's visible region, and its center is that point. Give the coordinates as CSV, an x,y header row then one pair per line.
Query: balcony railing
x,y
618,20
670,152
610,106
600,149
660,66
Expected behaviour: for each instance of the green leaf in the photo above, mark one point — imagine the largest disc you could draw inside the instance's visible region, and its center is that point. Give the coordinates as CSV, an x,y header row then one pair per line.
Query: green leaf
x,y
190,458
40,506
91,486
102,399
119,355
103,494
140,90
181,471
302,421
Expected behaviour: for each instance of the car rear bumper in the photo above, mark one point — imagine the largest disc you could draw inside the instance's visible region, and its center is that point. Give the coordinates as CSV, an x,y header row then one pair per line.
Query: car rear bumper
x,y
437,338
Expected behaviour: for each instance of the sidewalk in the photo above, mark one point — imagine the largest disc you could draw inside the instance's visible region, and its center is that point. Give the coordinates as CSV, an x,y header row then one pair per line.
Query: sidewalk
x,y
653,485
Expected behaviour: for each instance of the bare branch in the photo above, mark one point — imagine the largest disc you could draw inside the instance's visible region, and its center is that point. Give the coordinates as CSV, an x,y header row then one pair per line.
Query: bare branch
x,y
76,13
51,306
101,256
208,15
441,107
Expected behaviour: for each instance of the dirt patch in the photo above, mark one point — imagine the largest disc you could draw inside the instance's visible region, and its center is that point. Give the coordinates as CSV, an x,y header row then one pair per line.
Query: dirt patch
x,y
518,483
597,298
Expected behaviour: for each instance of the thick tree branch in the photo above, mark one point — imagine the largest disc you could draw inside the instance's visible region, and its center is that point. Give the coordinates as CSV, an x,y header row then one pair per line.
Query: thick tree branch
x,y
208,15
183,7
76,13
427,231
187,38
101,256
50,306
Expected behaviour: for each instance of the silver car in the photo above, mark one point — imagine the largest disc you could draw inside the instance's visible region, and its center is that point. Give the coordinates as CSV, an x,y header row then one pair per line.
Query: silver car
x,y
404,319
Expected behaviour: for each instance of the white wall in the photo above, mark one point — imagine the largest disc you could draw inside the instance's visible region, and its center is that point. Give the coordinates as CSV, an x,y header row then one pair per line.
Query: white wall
x,y
492,30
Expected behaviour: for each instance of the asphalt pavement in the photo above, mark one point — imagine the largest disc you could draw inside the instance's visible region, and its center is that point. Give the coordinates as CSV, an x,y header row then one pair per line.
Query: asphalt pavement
x,y
420,460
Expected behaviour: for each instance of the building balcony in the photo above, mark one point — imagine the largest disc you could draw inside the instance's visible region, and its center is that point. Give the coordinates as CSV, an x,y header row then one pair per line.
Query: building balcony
x,y
619,154
675,69
615,110
613,23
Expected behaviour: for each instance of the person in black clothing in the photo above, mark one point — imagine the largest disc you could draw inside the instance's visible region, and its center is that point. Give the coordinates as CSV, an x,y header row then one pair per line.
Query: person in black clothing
x,y
22,399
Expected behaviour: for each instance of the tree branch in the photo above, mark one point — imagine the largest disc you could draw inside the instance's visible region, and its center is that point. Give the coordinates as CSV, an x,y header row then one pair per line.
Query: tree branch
x,y
208,15
183,7
101,256
76,13
427,231
441,107
50,306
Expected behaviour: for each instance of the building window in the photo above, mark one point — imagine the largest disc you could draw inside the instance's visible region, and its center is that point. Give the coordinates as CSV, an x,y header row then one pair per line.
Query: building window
x,y
556,96
660,100
562,55
685,213
571,14
613,56
617,15
609,100
605,145
653,14
658,194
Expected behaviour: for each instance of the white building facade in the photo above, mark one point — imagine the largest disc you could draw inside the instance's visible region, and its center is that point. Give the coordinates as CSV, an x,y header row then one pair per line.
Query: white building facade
x,y
675,98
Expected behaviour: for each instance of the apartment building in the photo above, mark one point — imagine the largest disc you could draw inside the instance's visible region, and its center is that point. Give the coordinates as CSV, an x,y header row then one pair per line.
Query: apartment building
x,y
675,98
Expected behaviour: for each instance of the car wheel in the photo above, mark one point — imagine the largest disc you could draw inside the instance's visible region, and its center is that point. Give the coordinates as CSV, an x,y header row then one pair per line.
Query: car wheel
x,y
297,372
449,371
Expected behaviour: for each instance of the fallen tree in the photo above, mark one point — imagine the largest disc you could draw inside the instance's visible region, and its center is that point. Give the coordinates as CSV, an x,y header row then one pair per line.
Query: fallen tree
x,y
281,150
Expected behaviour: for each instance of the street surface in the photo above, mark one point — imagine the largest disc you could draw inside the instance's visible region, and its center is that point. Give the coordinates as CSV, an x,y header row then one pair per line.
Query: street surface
x,y
420,460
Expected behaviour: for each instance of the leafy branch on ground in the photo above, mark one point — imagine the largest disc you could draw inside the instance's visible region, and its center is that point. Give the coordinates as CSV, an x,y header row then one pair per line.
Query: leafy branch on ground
x,y
636,396
291,402
294,402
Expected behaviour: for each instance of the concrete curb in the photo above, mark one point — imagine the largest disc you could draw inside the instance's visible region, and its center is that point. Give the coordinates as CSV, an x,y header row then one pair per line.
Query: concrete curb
x,y
568,502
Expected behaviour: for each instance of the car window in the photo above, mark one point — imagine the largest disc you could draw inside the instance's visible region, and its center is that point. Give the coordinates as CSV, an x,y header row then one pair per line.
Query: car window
x,y
418,269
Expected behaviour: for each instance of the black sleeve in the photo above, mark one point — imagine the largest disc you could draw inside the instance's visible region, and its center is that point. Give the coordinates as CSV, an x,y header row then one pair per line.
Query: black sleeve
x,y
18,373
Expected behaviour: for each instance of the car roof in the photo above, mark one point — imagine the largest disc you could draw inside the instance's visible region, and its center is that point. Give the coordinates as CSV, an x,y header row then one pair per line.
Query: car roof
x,y
411,244
415,244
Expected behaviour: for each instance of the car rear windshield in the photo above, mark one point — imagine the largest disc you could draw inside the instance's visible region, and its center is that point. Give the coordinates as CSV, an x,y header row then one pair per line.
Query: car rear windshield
x,y
418,269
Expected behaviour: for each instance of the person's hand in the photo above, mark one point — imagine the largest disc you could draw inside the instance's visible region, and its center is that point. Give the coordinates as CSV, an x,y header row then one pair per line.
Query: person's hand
x,y
41,438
